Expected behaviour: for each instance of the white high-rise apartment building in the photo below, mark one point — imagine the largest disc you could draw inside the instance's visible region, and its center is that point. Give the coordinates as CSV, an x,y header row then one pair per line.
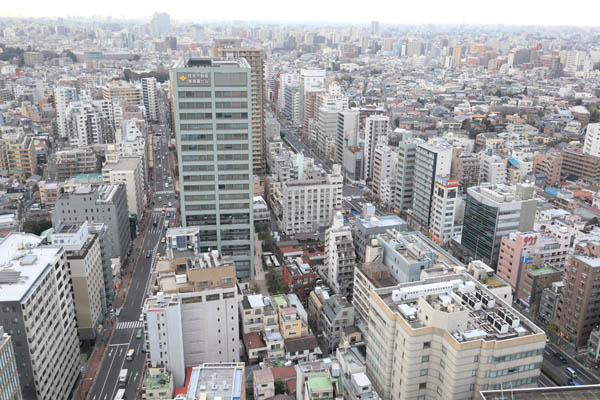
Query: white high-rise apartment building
x,y
309,203
286,80
432,159
130,172
347,133
442,222
36,304
89,122
375,127
63,96
129,141
448,338
592,140
384,168
193,318
327,118
150,99
492,169
340,258
85,267
312,79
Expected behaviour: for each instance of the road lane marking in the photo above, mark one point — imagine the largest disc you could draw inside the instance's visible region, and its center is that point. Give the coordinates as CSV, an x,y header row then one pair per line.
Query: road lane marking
x,y
130,324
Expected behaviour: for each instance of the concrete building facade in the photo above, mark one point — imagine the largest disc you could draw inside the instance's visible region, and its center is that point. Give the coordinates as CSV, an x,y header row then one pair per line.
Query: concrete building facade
x,y
340,258
426,342
84,260
128,171
36,300
10,388
106,204
212,102
194,316
492,212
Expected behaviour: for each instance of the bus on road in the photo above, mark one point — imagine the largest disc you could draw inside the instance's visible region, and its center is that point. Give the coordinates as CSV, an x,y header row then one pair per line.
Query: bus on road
x,y
123,377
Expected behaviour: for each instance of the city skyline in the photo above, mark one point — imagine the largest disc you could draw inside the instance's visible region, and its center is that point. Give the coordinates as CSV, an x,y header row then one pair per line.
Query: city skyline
x,y
533,13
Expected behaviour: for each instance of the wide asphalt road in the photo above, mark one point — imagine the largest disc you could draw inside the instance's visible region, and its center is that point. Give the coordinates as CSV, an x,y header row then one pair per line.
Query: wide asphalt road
x,y
128,322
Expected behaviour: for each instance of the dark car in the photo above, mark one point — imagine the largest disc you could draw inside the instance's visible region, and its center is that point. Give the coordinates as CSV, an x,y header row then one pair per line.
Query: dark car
x,y
560,357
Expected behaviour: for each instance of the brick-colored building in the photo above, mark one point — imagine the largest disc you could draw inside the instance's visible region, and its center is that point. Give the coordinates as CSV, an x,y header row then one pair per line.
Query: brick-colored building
x,y
578,310
299,277
549,165
585,166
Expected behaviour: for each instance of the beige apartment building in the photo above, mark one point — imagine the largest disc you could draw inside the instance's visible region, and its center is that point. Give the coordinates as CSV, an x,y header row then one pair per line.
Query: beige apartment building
x,y
448,338
84,261
231,48
17,154
127,95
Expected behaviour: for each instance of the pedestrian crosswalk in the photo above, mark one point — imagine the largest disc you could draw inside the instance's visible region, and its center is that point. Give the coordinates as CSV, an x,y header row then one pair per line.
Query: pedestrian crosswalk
x,y
130,324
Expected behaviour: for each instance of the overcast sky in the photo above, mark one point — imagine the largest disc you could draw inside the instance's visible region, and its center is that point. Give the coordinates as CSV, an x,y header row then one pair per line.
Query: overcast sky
x,y
508,12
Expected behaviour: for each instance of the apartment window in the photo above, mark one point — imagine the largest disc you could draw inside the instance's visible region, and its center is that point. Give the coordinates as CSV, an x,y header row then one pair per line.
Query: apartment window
x,y
475,358
212,297
423,372
421,398
443,363
471,387
439,391
427,345
425,359
474,372
423,385
444,350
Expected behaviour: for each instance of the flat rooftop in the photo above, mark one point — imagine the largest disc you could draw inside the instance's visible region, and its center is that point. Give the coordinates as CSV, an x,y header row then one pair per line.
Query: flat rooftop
x,y
584,392
476,313
383,221
124,164
319,383
22,263
156,381
221,381
414,247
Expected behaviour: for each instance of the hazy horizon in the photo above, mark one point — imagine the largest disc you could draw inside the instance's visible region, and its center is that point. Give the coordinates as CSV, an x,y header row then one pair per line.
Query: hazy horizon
x,y
470,12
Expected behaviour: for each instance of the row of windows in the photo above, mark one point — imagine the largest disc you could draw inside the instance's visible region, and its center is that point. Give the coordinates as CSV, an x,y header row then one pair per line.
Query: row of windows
x,y
190,137
195,127
514,370
198,178
230,157
209,297
233,125
199,197
199,207
233,186
197,147
219,115
209,147
516,356
197,157
221,94
196,168
194,104
512,384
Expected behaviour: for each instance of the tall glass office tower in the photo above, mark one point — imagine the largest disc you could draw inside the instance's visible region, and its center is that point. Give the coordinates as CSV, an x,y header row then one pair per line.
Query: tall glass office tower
x,y
213,125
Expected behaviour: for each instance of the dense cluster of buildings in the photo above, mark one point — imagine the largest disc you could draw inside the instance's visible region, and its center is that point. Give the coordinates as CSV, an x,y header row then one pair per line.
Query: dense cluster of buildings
x,y
423,206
